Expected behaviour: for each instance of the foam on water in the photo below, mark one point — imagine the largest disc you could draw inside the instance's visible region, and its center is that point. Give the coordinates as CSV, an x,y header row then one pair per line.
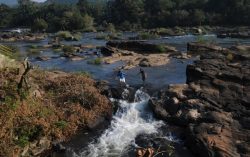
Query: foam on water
x,y
130,120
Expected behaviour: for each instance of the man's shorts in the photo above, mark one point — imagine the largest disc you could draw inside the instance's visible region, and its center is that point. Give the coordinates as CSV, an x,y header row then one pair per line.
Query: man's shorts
x,y
122,80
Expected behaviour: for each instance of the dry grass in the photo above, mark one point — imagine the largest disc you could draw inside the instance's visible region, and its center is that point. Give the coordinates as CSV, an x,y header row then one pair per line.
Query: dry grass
x,y
55,105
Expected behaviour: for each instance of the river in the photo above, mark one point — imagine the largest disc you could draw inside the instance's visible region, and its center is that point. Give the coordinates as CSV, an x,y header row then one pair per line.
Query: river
x,y
132,120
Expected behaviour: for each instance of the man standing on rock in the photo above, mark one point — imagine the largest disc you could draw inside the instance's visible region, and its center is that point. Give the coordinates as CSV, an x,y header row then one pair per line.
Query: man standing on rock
x,y
121,76
143,75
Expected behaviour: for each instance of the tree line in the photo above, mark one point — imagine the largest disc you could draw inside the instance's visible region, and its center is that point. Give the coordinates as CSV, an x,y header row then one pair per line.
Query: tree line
x,y
124,14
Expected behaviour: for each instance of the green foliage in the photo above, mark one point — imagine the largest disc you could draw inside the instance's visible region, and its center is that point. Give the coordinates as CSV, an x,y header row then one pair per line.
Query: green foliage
x,y
11,102
147,35
23,93
88,23
230,57
6,15
32,46
97,61
39,25
68,49
61,124
201,39
170,149
125,14
27,133
44,112
160,48
84,73
66,35
110,28
22,141
77,36
199,17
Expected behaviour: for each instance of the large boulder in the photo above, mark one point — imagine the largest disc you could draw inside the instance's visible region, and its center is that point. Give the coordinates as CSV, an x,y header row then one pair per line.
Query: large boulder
x,y
141,46
196,47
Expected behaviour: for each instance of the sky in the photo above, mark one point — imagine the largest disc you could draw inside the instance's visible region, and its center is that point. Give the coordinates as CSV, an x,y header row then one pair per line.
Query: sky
x,y
39,0
15,1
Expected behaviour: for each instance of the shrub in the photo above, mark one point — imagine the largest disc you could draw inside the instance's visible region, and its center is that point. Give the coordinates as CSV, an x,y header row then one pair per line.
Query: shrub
x,y
61,124
68,49
160,48
84,73
165,31
88,23
77,36
96,61
66,35
110,28
230,57
147,35
27,133
39,25
201,39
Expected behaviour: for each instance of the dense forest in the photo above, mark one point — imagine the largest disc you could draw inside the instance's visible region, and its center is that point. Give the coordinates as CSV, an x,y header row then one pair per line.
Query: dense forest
x,y
124,14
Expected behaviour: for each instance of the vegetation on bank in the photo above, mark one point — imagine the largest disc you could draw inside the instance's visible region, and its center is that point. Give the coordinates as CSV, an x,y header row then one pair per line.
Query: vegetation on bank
x,y
48,105
124,14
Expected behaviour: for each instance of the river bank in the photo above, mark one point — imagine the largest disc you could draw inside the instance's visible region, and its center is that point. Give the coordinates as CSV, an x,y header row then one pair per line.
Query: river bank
x,y
40,109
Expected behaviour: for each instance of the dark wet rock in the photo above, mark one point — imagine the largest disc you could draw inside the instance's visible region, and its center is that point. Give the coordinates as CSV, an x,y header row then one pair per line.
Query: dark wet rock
x,y
11,36
213,106
141,46
240,48
58,147
122,93
43,58
145,62
196,47
243,35
234,32
108,51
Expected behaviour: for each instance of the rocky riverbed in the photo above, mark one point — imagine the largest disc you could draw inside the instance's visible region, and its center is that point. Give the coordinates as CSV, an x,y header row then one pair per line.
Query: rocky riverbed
x,y
210,111
213,105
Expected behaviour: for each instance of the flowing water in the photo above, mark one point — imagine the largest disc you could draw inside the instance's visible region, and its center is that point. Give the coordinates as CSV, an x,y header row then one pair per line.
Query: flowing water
x,y
131,120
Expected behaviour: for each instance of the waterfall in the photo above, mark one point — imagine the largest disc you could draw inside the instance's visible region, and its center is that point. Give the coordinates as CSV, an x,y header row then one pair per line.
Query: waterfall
x,y
131,120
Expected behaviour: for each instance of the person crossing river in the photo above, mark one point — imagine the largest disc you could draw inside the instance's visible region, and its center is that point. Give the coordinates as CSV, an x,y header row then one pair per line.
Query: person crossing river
x,y
121,76
143,75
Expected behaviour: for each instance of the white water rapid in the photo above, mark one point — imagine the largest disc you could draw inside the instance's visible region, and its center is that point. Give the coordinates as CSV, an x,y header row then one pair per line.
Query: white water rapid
x,y
131,120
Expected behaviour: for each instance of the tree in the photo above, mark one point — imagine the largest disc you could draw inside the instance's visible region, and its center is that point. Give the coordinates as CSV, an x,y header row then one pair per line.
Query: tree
x,y
39,25
26,13
88,23
180,18
83,6
5,15
198,17
125,10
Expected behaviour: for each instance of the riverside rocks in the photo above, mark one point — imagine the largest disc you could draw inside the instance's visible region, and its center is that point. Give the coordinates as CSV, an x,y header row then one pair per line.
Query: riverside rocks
x,y
141,46
235,32
196,47
136,53
213,106
10,37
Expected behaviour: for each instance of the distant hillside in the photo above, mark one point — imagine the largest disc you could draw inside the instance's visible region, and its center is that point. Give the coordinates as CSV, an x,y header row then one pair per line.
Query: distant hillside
x,y
72,1
9,2
62,1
